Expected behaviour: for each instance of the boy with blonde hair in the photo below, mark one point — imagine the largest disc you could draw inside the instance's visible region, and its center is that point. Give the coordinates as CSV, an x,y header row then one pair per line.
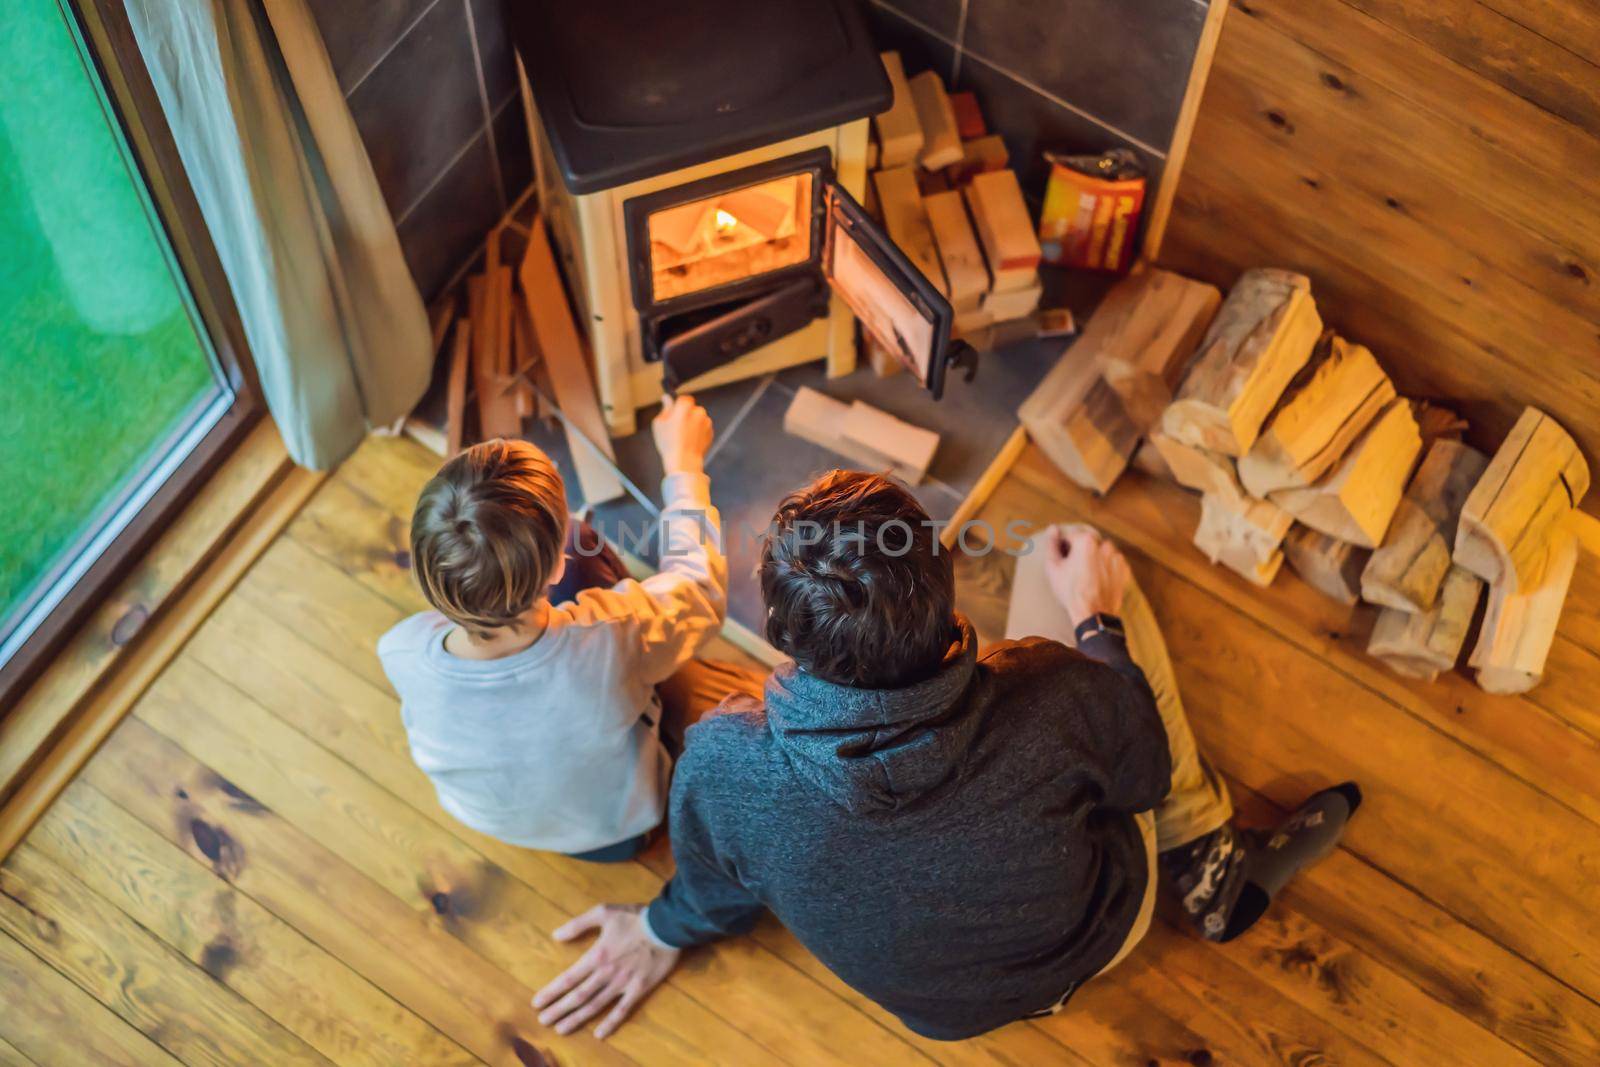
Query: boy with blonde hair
x,y
529,694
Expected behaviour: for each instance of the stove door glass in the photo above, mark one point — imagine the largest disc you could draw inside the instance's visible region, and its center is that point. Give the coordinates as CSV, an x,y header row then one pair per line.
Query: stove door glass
x,y
894,303
730,237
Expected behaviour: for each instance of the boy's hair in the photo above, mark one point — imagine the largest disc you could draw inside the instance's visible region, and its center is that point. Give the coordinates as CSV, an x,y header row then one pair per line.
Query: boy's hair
x,y
488,532
856,587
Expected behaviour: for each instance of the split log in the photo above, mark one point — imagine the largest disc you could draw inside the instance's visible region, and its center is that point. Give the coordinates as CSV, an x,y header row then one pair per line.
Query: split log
x,y
906,221
1420,644
1358,498
1090,412
1520,625
1198,468
941,138
1509,520
964,269
1258,342
892,444
1243,535
1406,571
1330,566
1327,406
1010,242
899,132
562,355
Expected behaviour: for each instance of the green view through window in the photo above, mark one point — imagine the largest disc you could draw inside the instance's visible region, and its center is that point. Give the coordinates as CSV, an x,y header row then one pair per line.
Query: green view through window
x,y
107,378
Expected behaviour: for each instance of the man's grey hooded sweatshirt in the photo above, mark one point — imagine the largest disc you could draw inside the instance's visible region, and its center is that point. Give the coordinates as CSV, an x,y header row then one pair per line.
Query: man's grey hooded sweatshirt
x,y
962,850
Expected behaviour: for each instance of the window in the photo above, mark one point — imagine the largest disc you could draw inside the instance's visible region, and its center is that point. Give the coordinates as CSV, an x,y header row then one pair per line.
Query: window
x,y
113,391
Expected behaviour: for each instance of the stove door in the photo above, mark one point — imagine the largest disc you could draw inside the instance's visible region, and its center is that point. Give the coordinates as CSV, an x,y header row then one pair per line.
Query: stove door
x,y
891,298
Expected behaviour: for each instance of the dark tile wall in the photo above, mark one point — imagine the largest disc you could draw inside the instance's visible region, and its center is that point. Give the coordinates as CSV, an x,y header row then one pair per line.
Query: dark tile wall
x,y
1076,75
433,89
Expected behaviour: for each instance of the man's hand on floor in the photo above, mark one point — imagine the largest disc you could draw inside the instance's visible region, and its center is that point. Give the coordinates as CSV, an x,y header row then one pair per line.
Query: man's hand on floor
x,y
623,965
1087,573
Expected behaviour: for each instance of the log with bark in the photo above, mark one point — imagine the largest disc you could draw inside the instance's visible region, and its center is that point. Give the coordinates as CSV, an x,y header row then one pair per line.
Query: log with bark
x,y
1330,566
1405,573
1520,624
1243,535
1420,644
1357,499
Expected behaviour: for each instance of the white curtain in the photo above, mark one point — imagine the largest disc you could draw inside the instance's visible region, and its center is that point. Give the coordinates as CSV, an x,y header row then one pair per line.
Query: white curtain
x,y
336,327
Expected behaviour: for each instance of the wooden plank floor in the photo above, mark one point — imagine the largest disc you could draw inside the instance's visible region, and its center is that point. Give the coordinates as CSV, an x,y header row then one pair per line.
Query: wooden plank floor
x,y
252,871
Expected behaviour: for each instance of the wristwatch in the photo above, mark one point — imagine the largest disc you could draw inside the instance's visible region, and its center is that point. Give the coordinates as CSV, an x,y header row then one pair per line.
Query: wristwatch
x,y
1099,623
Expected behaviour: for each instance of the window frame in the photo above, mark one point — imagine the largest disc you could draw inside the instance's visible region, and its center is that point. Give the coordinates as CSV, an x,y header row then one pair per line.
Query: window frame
x,y
116,60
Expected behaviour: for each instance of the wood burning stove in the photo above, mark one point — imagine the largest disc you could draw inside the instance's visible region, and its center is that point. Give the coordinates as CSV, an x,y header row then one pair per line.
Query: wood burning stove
x,y
700,164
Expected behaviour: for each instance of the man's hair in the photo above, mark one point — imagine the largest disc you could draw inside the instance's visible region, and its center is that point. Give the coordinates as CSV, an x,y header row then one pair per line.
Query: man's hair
x,y
488,532
856,588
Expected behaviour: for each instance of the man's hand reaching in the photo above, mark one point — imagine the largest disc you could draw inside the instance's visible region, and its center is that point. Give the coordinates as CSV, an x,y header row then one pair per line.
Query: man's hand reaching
x,y
1087,573
623,965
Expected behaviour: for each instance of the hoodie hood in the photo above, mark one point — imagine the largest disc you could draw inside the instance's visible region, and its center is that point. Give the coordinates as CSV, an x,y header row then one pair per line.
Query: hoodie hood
x,y
877,749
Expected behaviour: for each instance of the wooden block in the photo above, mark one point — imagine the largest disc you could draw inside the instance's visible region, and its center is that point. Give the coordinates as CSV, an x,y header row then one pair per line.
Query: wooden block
x,y
1009,242
1509,520
820,419
1243,535
1148,325
1330,402
969,116
941,139
1358,498
907,221
971,326
1406,572
1013,303
563,355
1520,625
899,132
965,271
979,156
1076,420
1420,644
456,391
1258,342
1330,566
906,449
1198,468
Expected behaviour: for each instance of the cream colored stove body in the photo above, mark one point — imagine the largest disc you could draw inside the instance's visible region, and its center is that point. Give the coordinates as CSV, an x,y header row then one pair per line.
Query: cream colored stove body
x,y
591,239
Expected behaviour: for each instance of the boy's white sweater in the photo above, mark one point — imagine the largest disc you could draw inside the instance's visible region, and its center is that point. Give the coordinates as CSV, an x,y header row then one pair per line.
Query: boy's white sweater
x,y
556,747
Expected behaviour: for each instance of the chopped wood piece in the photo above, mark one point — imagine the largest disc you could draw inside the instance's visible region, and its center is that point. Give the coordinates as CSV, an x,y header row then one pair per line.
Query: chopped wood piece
x,y
1258,342
899,132
1420,644
1357,499
1406,571
892,444
978,156
562,355
1148,325
1520,625
1330,402
1330,566
941,139
964,268
969,116
1198,468
1243,535
1509,520
1013,303
906,449
906,221
456,391
1436,423
1108,389
1005,228
1147,459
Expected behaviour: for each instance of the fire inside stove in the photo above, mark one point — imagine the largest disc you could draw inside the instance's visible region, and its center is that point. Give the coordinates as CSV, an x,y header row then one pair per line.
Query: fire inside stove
x,y
729,237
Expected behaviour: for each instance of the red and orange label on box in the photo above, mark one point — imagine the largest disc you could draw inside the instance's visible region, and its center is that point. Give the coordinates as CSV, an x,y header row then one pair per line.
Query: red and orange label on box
x,y
1091,210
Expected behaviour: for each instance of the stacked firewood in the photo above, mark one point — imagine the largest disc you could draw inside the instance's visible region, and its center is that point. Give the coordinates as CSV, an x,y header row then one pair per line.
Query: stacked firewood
x,y
1303,451
940,182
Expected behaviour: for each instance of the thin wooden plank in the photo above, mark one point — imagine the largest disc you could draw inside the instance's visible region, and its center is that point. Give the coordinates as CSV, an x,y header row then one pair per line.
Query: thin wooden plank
x,y
51,1021
398,846
169,999
232,938
397,944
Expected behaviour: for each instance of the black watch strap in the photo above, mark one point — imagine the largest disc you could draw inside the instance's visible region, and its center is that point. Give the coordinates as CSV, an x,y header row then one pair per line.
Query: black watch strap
x,y
1097,624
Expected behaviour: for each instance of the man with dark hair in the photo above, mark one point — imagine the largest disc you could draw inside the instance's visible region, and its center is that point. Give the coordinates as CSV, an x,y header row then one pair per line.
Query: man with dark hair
x,y
964,839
